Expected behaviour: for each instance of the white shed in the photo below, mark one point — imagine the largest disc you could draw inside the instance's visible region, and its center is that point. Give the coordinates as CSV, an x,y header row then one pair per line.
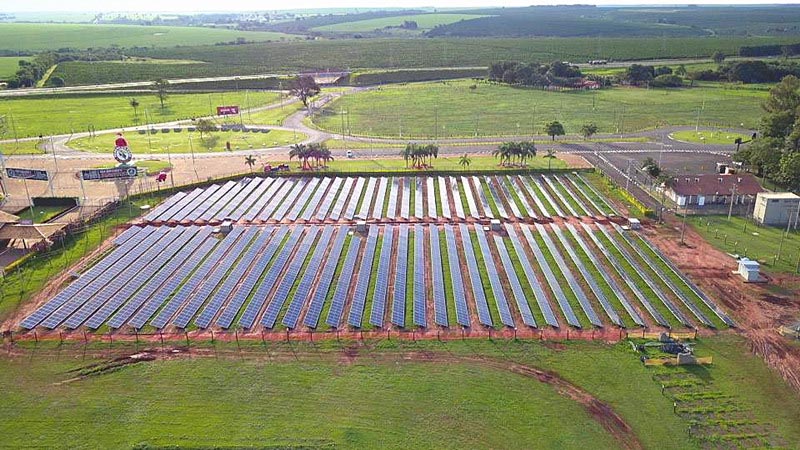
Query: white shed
x,y
748,269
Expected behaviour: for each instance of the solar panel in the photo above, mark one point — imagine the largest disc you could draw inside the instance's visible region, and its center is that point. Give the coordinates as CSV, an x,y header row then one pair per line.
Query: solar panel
x,y
328,270
498,203
547,197
400,277
587,276
182,205
363,210
394,192
270,280
437,278
405,201
246,186
487,210
364,275
516,286
169,262
263,200
445,201
291,200
341,200
205,201
164,206
184,269
419,212
460,298
616,265
551,279
571,281
252,198
608,206
475,278
494,279
303,199
146,295
557,193
505,192
327,202
580,196
457,199
520,195
533,282
224,197
350,211
197,277
316,200
127,234
420,293
277,200
381,292
307,282
246,287
212,282
119,266
563,188
232,279
343,286
288,279
380,198
122,287
430,190
471,205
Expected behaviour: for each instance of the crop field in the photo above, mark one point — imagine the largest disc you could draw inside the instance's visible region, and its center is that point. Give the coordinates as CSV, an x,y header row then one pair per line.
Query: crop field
x,y
185,141
565,273
743,237
51,36
279,57
424,22
9,65
53,115
455,109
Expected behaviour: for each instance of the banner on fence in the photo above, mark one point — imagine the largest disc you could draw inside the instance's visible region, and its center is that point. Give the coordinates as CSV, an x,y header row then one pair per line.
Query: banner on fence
x,y
227,110
27,174
109,174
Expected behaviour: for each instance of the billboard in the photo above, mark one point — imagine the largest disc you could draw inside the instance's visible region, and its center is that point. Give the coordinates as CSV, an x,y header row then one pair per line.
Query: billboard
x,y
109,174
27,174
227,110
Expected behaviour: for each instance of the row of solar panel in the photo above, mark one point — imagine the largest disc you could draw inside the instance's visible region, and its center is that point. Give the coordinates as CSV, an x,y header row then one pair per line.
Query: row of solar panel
x,y
321,198
181,276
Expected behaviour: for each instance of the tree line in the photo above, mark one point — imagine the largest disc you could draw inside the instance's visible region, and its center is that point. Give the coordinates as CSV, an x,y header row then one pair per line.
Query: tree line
x,y
534,74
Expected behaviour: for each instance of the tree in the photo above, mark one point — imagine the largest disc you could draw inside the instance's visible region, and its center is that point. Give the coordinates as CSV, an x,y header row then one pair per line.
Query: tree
x,y
160,86
304,87
650,166
681,71
588,130
250,160
551,153
301,152
527,150
205,126
718,57
465,161
637,74
135,105
554,129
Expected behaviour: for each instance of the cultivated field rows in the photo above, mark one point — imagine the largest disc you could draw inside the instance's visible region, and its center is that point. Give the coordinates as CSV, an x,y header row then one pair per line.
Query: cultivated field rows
x,y
427,276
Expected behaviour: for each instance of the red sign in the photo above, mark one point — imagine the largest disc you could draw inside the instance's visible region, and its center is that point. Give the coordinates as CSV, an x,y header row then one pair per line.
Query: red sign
x,y
227,110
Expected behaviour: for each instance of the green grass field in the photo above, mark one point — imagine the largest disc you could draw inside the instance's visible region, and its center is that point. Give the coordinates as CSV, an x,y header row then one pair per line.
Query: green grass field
x,y
708,137
453,109
314,399
742,236
49,36
186,142
9,65
424,22
52,115
478,163
41,214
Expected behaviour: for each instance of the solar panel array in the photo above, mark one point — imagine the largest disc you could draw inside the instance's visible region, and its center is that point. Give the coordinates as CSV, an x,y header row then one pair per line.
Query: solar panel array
x,y
262,273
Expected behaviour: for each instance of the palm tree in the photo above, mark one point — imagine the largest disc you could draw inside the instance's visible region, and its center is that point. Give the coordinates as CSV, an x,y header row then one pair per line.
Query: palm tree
x,y
135,105
300,151
465,161
250,160
527,150
588,130
551,153
407,152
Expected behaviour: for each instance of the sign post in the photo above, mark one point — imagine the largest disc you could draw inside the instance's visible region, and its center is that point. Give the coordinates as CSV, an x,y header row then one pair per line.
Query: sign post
x,y
25,175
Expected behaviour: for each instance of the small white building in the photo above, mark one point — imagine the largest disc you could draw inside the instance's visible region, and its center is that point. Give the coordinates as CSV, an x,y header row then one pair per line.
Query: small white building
x,y
749,270
777,208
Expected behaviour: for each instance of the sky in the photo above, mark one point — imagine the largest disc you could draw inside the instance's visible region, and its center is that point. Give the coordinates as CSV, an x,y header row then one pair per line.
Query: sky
x,y
261,5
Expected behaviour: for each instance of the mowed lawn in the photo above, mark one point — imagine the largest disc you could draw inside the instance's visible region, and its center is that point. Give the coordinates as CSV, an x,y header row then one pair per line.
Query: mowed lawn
x,y
314,396
51,115
186,142
52,36
743,237
467,108
424,22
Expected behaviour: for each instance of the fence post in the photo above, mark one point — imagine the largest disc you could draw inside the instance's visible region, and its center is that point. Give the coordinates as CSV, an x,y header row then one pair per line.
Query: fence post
x,y
186,334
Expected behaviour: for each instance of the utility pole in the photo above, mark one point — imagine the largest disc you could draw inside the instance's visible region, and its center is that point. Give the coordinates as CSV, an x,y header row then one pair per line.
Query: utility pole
x,y
733,197
685,214
783,235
